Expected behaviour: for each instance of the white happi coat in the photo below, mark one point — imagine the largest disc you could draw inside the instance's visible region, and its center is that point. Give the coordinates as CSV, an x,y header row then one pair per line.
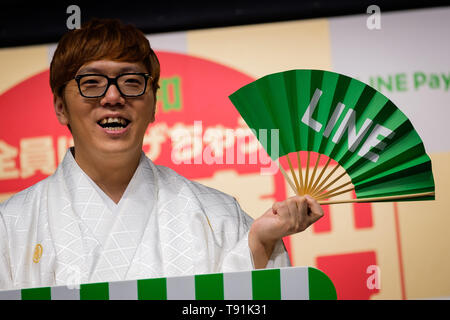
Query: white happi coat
x,y
164,225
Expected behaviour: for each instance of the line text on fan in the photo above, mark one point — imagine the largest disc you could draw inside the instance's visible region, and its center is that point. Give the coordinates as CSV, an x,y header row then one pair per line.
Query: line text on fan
x,y
348,123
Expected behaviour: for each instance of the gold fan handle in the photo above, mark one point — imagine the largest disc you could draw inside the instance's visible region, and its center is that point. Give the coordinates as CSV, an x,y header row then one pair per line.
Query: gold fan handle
x,y
377,199
287,178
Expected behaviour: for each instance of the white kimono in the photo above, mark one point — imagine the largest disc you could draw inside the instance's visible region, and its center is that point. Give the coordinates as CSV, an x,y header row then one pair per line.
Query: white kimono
x,y
164,225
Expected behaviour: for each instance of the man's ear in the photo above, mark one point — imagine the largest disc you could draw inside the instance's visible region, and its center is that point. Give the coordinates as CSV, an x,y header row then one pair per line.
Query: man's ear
x,y
154,107
153,114
60,110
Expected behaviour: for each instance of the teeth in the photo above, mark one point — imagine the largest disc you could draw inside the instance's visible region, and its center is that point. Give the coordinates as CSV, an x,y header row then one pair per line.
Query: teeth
x,y
113,120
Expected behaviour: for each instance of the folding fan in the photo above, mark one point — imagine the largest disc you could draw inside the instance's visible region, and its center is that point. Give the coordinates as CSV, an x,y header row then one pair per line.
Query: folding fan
x,y
335,117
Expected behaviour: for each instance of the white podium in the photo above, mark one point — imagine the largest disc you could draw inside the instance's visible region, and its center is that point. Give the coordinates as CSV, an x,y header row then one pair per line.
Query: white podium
x,y
293,283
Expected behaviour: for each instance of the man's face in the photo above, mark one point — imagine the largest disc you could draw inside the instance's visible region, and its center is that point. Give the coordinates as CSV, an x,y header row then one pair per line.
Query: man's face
x,y
87,116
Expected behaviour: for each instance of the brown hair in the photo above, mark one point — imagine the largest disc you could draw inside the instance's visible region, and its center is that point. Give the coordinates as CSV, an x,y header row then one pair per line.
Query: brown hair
x,y
101,39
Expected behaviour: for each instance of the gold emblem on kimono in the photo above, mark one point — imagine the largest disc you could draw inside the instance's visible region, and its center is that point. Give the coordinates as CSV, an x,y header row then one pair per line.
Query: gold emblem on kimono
x,y
37,253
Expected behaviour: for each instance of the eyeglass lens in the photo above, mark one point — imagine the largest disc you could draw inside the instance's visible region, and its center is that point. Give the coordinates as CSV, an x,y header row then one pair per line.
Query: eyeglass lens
x,y
96,85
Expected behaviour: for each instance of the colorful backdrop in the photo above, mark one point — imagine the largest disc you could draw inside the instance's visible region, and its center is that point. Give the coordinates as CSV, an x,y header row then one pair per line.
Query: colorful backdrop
x,y
370,251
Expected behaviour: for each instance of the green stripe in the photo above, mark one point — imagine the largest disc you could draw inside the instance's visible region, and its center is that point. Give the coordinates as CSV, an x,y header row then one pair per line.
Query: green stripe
x,y
152,289
37,294
320,286
266,284
94,291
209,287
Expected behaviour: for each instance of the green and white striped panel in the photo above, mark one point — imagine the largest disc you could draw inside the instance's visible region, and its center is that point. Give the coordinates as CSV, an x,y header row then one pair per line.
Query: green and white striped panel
x,y
294,283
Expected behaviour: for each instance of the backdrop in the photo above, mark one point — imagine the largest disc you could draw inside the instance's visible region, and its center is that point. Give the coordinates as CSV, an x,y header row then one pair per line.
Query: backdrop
x,y
370,251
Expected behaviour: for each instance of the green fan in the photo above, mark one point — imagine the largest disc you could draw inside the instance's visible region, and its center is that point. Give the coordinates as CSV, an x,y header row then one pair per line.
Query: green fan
x,y
342,119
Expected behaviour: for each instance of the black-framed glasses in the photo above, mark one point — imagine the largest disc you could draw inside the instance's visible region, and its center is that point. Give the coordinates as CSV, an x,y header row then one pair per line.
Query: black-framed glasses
x,y
128,84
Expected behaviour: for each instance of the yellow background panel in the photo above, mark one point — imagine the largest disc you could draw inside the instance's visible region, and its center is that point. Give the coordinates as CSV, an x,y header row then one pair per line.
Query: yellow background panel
x,y
265,48
425,237
425,240
5,196
20,63
345,238
251,190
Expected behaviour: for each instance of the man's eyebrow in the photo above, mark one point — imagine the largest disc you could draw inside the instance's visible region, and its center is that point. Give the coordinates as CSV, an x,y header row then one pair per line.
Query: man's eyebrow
x,y
89,70
96,70
130,69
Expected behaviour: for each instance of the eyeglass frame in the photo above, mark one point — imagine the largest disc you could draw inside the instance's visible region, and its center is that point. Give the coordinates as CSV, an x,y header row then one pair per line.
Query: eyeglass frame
x,y
114,82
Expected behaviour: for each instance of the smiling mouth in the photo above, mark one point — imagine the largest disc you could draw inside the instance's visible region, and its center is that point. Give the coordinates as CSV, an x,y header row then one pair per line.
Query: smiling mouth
x,y
113,124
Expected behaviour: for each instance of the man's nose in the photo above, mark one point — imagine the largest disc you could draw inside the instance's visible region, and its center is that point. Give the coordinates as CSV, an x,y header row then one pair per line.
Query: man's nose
x,y
112,97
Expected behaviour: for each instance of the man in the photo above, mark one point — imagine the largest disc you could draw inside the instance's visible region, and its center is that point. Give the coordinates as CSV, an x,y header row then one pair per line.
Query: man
x,y
108,213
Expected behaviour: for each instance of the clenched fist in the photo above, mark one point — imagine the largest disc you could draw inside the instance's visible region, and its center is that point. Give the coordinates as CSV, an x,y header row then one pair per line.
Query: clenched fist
x,y
287,217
